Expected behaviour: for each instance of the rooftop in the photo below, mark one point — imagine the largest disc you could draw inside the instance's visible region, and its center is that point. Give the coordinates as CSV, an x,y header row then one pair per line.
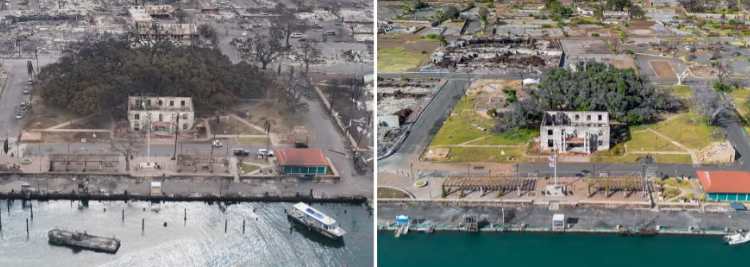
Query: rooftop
x,y
725,181
300,157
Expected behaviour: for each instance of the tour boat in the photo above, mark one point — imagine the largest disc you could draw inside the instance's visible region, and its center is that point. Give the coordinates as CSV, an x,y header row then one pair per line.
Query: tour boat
x,y
741,236
316,221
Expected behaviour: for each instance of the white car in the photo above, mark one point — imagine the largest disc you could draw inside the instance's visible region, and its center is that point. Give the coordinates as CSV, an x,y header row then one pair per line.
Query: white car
x,y
217,143
296,35
263,152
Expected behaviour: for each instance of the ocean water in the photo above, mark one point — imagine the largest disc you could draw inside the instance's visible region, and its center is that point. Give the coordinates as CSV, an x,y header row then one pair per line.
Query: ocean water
x,y
269,238
575,250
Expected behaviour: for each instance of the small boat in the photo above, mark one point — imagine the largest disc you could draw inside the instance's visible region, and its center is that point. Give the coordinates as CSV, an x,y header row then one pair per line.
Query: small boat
x,y
741,236
316,221
398,232
426,229
406,229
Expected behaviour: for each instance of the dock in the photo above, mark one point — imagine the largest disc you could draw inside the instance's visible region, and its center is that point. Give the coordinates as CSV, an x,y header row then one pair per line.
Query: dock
x,y
83,240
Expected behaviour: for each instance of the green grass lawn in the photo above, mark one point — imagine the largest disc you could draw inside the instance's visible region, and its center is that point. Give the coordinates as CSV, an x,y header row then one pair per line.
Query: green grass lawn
x,y
248,168
682,91
484,154
684,184
649,142
458,128
688,129
741,97
512,137
395,59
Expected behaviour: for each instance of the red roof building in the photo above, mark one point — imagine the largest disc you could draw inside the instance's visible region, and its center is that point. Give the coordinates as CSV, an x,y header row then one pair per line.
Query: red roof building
x,y
302,161
725,185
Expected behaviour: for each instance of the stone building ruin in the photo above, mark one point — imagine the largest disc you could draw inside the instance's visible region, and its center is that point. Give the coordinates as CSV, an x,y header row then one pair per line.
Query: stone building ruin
x,y
575,131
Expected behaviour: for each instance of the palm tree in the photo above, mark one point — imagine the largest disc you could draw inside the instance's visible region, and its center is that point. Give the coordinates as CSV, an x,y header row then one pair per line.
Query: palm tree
x,y
267,127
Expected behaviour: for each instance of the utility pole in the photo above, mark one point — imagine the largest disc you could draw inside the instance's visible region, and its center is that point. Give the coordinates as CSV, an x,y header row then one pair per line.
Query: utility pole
x,y
176,134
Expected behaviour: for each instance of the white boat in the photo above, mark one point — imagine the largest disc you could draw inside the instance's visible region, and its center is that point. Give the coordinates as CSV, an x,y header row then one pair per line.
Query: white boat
x,y
406,229
737,238
316,221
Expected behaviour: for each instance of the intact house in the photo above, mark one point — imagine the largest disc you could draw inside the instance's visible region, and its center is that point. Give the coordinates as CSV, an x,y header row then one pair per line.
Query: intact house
x,y
163,114
302,161
575,131
725,185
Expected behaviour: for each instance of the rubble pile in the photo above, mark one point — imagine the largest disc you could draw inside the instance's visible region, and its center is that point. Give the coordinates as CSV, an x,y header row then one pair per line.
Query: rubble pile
x,y
492,54
317,15
355,56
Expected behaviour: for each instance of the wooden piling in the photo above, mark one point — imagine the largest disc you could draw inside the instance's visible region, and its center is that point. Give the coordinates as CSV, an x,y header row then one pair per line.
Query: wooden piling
x,y
243,226
123,214
185,215
1,221
27,227
225,226
31,205
143,224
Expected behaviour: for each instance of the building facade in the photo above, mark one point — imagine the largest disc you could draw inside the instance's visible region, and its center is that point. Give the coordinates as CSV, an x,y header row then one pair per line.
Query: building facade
x,y
725,185
302,161
163,114
575,131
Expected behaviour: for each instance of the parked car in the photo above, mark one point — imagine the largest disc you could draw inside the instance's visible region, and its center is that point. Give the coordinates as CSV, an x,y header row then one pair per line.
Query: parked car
x,y
330,33
22,106
19,115
296,35
30,82
217,143
26,91
300,145
263,152
303,39
241,152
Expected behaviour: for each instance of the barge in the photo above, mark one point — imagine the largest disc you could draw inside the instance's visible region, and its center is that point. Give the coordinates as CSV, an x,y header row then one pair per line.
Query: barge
x,y
315,221
83,240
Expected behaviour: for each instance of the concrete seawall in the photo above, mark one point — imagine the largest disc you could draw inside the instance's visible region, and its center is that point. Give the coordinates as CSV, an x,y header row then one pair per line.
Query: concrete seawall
x,y
128,197
530,216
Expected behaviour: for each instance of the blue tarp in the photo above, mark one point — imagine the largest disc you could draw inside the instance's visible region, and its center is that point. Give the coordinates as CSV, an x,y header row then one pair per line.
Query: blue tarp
x,y
737,206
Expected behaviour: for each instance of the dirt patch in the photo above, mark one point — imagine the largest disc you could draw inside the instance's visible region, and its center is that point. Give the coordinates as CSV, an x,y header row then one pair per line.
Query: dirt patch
x,y
284,118
74,138
297,134
662,68
232,126
437,153
710,72
717,152
43,116
623,63
96,122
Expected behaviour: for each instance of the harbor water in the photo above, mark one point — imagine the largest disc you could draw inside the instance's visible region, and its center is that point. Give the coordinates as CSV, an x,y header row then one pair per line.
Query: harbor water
x,y
451,249
269,238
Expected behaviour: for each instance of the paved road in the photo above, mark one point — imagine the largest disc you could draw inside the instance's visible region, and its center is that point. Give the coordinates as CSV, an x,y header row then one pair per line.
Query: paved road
x,y
455,76
12,95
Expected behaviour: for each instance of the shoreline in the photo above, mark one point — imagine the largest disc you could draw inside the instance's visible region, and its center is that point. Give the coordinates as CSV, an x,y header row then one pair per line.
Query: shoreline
x,y
355,200
526,217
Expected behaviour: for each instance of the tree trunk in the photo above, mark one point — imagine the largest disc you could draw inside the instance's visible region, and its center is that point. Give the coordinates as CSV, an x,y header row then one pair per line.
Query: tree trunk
x,y
127,162
287,39
264,64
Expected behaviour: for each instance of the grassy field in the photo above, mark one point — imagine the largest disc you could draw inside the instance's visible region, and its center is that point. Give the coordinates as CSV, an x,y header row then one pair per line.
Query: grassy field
x,y
740,100
458,128
396,59
649,141
688,129
248,168
684,184
631,158
682,91
512,137
390,193
484,154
